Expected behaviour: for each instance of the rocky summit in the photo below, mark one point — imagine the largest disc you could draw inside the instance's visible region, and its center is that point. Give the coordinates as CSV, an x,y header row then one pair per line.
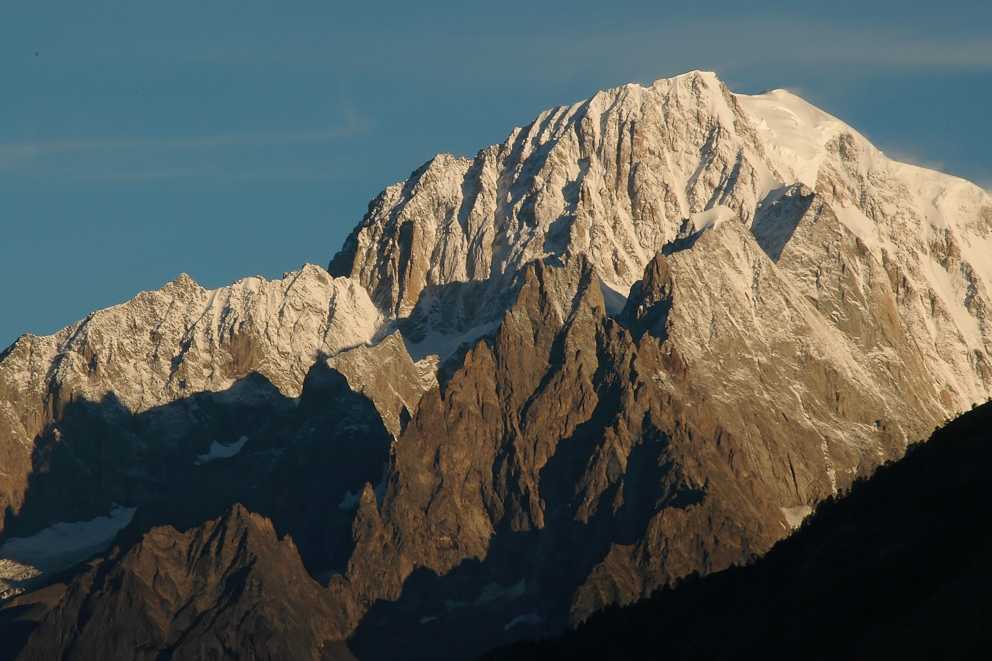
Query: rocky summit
x,y
641,338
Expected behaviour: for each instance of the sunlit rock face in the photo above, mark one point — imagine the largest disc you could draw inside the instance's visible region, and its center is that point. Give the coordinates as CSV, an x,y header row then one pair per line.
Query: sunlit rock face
x,y
620,175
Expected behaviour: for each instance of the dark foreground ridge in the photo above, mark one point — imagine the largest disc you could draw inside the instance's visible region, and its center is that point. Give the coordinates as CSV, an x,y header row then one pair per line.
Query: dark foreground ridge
x,y
898,568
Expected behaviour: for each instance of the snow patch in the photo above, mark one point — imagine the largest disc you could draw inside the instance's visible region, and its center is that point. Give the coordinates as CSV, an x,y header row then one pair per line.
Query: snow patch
x,y
953,301
794,516
349,501
794,132
860,225
494,592
57,547
438,345
712,217
531,619
219,451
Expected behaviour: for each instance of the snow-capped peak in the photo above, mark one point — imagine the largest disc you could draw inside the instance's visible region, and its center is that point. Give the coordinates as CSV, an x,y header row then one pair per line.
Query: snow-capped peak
x,y
631,169
794,132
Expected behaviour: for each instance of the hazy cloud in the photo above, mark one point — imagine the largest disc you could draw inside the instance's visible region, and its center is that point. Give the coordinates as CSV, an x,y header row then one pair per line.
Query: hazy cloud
x,y
15,155
213,174
914,158
658,47
783,45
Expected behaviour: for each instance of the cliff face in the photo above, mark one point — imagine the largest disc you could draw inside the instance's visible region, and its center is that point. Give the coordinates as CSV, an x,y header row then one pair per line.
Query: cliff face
x,y
166,346
641,338
228,589
887,570
613,176
602,458
621,175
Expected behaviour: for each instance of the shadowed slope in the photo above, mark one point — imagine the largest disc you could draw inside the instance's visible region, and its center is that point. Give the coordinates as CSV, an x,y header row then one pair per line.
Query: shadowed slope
x,y
897,568
227,589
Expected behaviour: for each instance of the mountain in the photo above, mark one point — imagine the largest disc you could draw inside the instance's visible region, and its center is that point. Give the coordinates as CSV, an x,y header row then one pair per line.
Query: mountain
x,y
217,591
889,570
623,174
641,338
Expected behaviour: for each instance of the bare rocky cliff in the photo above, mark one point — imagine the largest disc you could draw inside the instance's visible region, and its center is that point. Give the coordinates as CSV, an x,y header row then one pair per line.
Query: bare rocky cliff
x,y
621,175
228,589
167,345
839,588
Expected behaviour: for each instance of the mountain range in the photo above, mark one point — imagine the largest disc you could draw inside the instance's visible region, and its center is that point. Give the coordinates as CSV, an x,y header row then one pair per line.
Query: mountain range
x,y
640,339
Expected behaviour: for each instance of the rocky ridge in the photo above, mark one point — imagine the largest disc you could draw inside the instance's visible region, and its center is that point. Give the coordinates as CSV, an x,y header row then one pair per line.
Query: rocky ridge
x,y
840,587
621,175
228,589
166,345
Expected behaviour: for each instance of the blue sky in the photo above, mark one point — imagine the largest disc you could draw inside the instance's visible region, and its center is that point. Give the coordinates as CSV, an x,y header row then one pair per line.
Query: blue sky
x,y
139,140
